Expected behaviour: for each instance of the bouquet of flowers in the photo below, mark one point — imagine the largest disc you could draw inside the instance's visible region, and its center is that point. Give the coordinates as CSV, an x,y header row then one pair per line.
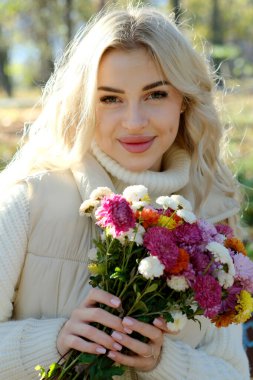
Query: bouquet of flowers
x,y
161,262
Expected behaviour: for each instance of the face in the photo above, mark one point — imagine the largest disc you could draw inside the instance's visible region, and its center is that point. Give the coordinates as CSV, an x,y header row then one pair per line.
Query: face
x,y
137,110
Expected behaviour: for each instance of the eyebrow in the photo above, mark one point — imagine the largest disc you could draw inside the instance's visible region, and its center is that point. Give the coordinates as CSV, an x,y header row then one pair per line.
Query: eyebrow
x,y
145,88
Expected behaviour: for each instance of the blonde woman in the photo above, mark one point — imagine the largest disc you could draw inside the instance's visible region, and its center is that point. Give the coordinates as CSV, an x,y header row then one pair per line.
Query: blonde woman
x,y
131,102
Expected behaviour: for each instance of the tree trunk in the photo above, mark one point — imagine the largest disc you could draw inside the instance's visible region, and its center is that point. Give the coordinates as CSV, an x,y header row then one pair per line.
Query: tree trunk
x,y
177,10
68,20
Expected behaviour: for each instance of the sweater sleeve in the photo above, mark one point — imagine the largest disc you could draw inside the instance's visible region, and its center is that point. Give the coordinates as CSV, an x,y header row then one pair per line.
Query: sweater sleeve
x,y
219,356
23,343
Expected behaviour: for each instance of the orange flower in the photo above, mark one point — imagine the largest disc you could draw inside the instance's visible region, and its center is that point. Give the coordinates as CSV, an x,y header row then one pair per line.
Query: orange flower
x,y
236,244
182,262
224,320
147,217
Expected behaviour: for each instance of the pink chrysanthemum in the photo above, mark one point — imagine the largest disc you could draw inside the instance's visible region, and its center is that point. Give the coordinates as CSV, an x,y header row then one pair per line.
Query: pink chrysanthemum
x,y
224,229
159,241
200,260
187,234
116,213
244,271
208,294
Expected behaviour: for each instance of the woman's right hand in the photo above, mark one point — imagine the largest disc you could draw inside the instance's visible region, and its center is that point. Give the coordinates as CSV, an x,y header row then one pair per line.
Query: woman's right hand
x,y
78,334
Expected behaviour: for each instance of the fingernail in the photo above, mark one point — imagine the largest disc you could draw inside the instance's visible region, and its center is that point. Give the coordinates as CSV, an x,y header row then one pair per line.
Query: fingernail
x,y
115,302
101,350
158,322
111,355
117,346
128,321
116,335
127,330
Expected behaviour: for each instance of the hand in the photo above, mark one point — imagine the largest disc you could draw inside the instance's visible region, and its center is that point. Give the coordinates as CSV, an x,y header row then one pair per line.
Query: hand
x,y
78,334
145,355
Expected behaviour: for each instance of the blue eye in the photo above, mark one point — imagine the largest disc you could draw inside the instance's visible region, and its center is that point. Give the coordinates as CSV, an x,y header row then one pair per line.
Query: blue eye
x,y
158,95
108,99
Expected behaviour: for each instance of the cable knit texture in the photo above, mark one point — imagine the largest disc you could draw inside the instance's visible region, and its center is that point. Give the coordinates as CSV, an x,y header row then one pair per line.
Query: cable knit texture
x,y
34,247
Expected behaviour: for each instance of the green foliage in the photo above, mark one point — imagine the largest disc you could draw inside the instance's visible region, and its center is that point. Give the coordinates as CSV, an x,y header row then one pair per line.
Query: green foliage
x,y
248,189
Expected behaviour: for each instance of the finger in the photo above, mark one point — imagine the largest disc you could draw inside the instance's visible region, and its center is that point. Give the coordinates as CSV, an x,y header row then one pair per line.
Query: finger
x,y
161,324
100,296
100,316
145,329
135,345
79,344
138,362
95,335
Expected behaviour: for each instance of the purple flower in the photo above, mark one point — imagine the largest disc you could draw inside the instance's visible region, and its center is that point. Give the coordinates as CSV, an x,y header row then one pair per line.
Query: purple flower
x,y
200,260
116,213
159,241
244,271
208,294
224,229
187,234
230,301
208,231
190,274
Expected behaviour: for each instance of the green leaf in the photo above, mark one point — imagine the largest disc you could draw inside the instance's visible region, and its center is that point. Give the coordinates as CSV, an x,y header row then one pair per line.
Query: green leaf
x,y
140,306
87,358
53,369
152,288
43,374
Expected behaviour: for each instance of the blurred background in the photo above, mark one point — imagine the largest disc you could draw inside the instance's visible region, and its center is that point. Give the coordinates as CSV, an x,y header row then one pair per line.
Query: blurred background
x,y
33,35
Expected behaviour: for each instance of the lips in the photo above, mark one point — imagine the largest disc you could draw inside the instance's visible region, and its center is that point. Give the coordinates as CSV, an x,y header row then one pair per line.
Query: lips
x,y
136,144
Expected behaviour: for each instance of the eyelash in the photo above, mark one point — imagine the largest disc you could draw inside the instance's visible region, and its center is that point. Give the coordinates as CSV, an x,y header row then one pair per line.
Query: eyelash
x,y
155,95
158,95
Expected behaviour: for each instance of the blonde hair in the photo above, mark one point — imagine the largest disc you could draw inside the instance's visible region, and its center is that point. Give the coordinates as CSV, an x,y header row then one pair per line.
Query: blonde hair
x,y
64,130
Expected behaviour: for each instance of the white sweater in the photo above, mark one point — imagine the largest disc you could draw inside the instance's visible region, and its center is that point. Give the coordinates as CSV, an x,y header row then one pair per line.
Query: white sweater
x,y
25,343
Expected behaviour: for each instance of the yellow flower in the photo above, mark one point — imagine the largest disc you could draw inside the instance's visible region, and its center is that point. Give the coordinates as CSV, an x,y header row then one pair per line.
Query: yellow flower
x,y
167,222
244,307
95,268
146,198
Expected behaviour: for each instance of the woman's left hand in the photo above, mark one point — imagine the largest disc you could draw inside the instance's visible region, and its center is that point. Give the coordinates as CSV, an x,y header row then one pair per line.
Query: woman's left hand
x,y
145,355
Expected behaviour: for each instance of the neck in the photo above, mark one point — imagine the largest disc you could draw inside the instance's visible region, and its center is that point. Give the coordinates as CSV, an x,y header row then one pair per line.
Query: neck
x,y
173,177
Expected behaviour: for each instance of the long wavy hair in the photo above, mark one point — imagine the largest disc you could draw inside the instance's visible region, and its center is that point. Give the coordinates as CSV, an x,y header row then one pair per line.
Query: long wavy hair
x,y
63,132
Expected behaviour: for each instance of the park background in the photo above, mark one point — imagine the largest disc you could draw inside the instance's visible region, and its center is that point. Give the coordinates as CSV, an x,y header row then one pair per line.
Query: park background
x,y
33,34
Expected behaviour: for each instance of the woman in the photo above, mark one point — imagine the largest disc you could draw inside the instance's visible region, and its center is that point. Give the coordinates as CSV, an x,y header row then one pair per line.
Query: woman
x,y
130,103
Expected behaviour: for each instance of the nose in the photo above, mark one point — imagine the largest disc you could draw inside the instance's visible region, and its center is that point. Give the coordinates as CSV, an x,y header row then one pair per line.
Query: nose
x,y
135,117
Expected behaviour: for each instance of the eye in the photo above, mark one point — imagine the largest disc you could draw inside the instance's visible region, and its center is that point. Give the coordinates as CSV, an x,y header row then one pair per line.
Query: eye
x,y
109,99
157,95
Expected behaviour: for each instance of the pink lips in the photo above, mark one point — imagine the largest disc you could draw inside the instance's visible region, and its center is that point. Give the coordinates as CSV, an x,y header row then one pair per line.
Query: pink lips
x,y
136,144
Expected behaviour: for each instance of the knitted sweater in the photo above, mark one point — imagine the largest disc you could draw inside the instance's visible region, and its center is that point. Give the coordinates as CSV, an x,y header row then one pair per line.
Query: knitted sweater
x,y
210,354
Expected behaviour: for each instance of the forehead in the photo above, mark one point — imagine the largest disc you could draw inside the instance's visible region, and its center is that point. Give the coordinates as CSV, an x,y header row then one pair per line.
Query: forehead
x,y
119,64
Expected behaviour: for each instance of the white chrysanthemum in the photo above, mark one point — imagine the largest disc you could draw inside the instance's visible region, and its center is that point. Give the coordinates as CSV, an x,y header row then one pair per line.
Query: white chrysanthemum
x,y
188,216
133,235
167,202
180,320
178,283
221,254
151,267
137,194
92,254
88,207
100,192
225,279
181,201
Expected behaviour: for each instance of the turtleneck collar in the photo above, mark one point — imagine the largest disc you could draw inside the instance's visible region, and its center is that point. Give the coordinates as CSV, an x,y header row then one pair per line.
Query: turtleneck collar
x,y
175,174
